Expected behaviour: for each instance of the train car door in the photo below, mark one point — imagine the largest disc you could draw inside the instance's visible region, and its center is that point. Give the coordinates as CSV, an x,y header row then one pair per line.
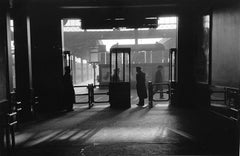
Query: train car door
x,y
119,86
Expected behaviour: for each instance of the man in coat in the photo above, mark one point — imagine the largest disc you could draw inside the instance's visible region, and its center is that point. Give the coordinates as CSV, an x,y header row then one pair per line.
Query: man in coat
x,y
141,86
68,90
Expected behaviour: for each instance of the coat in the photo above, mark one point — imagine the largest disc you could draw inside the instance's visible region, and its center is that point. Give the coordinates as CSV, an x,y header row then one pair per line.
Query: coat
x,y
68,91
141,85
158,76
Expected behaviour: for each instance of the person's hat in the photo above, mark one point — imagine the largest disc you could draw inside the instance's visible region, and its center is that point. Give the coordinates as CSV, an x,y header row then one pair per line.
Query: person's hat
x,y
138,68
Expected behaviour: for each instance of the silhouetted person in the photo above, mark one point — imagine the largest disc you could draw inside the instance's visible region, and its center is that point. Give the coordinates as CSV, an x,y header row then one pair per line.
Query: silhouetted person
x,y
115,76
68,90
141,86
159,79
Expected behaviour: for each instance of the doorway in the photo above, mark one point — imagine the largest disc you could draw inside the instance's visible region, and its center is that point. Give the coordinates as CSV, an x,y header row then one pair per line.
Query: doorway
x,y
150,48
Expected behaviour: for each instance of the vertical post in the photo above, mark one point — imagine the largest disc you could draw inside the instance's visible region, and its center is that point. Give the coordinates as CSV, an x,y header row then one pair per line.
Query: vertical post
x,y
74,69
150,92
12,136
116,61
225,96
87,71
82,70
94,74
90,96
111,67
23,61
170,65
124,67
129,64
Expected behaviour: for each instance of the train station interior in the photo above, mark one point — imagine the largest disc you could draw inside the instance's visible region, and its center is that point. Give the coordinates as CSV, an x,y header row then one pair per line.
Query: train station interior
x,y
192,110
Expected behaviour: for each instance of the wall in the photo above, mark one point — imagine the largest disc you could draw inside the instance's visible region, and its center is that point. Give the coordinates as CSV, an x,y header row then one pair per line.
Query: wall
x,y
226,46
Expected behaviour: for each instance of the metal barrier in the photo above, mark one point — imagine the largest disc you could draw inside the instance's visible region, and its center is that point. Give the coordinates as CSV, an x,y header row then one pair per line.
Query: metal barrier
x,y
10,132
151,92
231,99
101,93
88,94
91,93
15,105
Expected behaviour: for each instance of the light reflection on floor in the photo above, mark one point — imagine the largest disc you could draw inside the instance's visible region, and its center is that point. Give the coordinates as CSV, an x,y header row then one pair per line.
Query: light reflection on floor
x,y
104,135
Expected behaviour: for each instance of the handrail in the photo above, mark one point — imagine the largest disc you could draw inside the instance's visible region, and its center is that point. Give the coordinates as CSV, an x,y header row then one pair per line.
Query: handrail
x,y
11,122
231,99
229,93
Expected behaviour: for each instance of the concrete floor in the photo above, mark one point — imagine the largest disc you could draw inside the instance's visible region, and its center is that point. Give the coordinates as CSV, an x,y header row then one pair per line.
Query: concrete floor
x,y
101,131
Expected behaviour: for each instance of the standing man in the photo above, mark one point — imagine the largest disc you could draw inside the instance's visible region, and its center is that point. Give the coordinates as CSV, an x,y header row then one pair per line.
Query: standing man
x,y
141,86
68,90
159,79
115,76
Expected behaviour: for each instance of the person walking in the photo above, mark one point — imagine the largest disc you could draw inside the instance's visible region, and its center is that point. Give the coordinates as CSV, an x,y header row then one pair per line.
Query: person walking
x,y
141,86
159,79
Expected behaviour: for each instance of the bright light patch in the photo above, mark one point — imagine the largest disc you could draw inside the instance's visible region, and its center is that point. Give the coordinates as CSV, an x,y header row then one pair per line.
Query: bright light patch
x,y
84,61
77,59
73,25
167,23
149,40
142,29
110,43
98,30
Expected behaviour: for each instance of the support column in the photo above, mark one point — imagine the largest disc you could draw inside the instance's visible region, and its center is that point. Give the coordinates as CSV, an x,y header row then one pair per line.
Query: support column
x,y
74,69
189,25
47,60
87,71
23,60
4,76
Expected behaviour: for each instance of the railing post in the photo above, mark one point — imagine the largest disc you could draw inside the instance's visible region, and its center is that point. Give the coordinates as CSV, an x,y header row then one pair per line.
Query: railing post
x,y
225,96
89,96
150,92
92,91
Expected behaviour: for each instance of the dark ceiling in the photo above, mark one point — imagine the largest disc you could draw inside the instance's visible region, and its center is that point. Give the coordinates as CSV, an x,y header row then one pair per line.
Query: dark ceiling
x,y
91,3
115,8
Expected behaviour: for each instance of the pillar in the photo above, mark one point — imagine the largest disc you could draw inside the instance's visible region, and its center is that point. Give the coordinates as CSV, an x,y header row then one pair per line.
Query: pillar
x,y
23,59
4,75
47,59
189,25
74,73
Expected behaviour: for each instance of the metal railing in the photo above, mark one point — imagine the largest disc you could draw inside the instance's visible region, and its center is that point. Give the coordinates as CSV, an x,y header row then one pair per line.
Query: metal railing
x,y
89,88
91,94
152,91
11,122
230,98
100,93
